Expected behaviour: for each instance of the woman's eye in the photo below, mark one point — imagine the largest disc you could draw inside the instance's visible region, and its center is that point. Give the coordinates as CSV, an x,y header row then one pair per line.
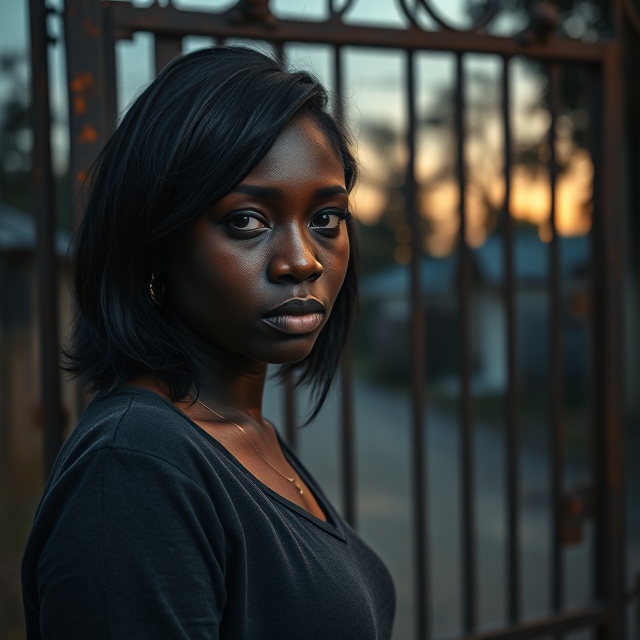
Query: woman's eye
x,y
245,222
328,219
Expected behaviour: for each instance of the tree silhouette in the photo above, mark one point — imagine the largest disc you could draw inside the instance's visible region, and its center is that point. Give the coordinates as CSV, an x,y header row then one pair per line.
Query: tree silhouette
x,y
15,132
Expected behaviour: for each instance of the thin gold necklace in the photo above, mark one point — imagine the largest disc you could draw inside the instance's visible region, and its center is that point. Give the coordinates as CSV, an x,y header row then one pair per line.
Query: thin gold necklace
x,y
291,480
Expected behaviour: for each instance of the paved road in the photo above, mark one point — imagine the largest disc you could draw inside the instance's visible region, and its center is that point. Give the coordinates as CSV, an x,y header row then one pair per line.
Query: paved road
x,y
384,506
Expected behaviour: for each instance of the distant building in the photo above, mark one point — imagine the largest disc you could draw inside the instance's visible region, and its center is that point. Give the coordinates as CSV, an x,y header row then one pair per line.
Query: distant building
x,y
385,317
20,411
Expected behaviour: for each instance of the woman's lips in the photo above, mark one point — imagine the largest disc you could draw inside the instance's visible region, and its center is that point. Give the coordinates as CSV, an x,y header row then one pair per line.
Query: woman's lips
x,y
295,323
296,316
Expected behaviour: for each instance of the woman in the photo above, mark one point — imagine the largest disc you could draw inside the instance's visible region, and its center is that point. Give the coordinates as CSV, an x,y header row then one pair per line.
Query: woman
x,y
216,239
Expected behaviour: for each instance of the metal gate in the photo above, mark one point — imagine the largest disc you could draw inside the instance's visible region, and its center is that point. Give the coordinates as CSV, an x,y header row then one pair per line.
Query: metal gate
x,y
93,27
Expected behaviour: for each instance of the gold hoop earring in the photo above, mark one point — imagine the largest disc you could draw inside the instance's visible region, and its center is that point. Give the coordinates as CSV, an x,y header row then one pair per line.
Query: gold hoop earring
x,y
157,297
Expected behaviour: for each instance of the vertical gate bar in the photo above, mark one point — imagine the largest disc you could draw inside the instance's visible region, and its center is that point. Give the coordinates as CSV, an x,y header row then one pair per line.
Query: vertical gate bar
x,y
338,82
608,441
166,48
88,87
347,422
513,484
348,438
597,361
289,401
110,81
612,292
615,401
85,75
466,418
556,357
419,476
46,267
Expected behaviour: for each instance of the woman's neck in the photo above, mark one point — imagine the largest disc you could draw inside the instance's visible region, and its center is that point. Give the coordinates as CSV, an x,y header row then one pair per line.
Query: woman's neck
x,y
228,382
229,387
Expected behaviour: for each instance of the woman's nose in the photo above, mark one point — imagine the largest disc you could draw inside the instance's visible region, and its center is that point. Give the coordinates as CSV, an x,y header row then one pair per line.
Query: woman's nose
x,y
294,259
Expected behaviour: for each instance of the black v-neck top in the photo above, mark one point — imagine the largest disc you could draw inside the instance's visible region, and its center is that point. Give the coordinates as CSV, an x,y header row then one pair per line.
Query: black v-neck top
x,y
150,529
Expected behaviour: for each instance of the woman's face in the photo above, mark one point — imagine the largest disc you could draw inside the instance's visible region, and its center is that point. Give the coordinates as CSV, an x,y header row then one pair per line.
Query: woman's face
x,y
257,275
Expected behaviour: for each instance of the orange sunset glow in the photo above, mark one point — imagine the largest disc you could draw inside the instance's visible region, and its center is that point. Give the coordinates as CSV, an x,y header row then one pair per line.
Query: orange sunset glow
x,y
530,202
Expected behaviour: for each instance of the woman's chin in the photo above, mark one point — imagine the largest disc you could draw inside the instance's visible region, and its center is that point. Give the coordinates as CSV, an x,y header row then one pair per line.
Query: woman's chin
x,y
291,353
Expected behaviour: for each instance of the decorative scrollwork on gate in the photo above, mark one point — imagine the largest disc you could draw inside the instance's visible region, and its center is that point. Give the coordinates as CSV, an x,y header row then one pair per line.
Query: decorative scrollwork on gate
x,y
258,11
490,11
337,13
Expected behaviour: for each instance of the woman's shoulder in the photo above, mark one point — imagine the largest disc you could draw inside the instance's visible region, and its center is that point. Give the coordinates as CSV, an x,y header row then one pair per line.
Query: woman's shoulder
x,y
136,422
135,417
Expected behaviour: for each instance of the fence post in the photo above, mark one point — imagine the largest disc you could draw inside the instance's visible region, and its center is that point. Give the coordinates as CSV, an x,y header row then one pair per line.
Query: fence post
x,y
46,271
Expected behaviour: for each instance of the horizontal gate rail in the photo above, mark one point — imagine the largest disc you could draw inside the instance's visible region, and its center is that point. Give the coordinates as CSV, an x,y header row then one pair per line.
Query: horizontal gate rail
x,y
536,629
168,21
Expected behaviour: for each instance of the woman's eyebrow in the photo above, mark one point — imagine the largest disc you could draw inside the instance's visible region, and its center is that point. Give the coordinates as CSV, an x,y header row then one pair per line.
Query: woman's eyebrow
x,y
262,192
330,192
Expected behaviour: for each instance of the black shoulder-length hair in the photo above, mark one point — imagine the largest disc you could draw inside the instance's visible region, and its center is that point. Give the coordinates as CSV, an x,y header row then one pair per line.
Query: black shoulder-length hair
x,y
199,128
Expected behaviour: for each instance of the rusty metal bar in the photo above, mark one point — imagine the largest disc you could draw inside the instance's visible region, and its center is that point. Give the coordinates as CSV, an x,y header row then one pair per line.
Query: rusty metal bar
x,y
537,629
348,439
556,377
289,403
171,21
46,262
469,613
417,329
608,247
110,80
617,13
598,277
338,84
92,100
512,467
596,405
348,449
614,459
166,49
85,73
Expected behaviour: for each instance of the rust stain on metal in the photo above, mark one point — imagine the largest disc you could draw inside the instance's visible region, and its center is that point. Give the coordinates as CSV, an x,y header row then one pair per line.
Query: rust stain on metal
x,y
88,135
79,105
91,28
82,82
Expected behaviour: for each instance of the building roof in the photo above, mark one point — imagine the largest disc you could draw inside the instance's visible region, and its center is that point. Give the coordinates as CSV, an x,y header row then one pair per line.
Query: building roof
x,y
18,232
532,258
532,262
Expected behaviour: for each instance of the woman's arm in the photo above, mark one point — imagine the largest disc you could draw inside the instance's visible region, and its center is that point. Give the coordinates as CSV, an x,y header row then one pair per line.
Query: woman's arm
x,y
136,551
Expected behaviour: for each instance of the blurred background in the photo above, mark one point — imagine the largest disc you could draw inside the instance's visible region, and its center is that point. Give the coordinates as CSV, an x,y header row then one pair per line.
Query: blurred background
x,y
484,434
